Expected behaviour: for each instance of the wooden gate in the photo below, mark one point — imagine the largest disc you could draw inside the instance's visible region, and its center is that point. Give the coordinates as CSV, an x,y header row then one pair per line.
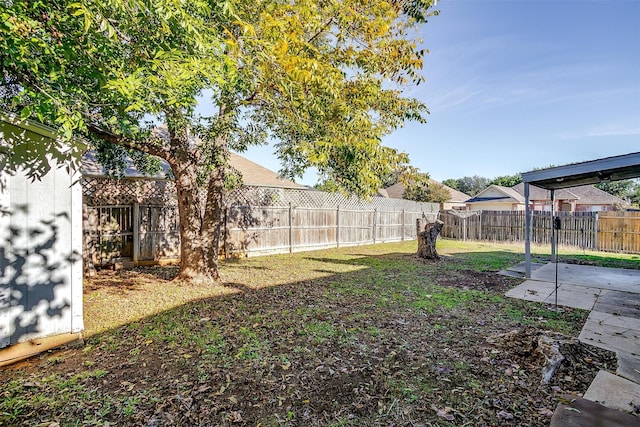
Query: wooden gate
x,y
158,233
110,232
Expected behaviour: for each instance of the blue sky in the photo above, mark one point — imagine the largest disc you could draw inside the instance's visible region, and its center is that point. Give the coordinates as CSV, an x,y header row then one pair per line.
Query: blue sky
x,y
512,85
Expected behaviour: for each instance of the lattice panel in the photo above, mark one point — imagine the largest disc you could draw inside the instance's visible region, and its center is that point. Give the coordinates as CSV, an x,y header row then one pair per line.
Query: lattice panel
x,y
109,191
261,196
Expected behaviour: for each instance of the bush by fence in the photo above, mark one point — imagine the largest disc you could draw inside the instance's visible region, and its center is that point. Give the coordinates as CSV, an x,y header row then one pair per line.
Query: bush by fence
x,y
599,231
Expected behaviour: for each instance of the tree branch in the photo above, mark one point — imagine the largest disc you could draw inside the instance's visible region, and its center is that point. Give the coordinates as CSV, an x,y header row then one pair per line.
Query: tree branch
x,y
146,146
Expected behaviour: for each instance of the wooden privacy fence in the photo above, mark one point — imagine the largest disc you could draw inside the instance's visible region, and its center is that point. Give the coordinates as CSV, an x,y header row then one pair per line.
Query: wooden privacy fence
x,y
600,231
619,232
278,229
137,221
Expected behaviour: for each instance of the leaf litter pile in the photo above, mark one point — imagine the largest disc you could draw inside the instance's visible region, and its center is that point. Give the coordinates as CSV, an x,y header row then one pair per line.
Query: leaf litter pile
x,y
329,338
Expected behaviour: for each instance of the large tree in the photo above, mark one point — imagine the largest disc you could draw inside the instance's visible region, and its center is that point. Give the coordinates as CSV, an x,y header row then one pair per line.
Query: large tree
x,y
421,189
623,189
470,185
324,79
506,180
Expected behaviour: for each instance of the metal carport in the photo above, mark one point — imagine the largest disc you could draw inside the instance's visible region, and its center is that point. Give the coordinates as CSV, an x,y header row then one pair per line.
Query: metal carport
x,y
592,172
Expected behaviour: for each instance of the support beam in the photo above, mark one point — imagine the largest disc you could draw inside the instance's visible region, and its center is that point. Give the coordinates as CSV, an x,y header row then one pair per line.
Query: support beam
x,y
553,229
527,233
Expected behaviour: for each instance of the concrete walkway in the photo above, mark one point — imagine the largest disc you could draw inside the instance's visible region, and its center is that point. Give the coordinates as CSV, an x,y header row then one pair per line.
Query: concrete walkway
x,y
613,296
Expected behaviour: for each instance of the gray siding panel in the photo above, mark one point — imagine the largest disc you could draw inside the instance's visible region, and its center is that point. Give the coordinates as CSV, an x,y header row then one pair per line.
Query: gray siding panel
x,y
40,256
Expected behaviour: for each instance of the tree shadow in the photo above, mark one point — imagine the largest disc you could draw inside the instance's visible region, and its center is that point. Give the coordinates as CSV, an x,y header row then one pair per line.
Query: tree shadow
x,y
36,263
355,341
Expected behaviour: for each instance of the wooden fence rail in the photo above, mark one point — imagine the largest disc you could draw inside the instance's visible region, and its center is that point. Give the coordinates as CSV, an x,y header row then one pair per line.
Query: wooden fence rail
x,y
600,231
148,233
256,230
619,232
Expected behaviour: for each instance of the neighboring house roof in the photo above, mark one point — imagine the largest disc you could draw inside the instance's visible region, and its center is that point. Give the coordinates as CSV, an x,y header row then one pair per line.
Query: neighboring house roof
x,y
588,194
497,193
582,194
396,191
456,195
383,193
537,193
252,173
91,167
258,176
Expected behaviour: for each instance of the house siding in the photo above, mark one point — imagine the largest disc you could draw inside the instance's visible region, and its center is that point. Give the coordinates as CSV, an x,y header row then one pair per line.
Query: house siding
x,y
40,250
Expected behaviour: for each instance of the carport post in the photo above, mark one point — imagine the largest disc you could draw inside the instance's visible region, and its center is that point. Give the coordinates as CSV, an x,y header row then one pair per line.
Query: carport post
x,y
553,228
527,233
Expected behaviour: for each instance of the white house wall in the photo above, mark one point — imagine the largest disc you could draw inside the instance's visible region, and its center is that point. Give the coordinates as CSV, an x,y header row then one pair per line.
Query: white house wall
x,y
40,255
495,206
492,192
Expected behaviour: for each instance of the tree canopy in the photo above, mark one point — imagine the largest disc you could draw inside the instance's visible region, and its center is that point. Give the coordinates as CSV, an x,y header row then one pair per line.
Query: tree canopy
x,y
623,189
422,189
323,79
470,185
506,180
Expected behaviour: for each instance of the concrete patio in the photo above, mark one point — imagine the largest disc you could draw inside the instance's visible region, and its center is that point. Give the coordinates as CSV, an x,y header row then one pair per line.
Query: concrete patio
x,y
613,297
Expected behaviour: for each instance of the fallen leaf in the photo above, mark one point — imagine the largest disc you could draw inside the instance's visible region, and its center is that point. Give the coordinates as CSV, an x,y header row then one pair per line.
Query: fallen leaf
x,y
546,412
445,413
505,415
235,417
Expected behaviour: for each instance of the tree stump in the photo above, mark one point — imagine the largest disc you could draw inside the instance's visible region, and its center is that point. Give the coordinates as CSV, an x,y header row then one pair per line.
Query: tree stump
x,y
427,234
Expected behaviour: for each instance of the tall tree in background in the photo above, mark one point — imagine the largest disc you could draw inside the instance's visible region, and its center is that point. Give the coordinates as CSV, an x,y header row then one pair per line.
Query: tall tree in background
x,y
470,185
452,183
623,189
322,78
422,189
506,180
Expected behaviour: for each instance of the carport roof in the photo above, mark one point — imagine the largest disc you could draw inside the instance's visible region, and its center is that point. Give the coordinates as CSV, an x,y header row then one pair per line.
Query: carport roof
x,y
592,172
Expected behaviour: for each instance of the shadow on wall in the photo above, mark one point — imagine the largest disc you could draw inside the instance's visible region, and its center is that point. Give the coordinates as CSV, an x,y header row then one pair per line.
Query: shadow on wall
x,y
36,263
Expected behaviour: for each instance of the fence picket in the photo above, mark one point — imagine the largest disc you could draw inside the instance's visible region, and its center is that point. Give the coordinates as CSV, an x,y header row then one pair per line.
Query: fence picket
x,y
600,231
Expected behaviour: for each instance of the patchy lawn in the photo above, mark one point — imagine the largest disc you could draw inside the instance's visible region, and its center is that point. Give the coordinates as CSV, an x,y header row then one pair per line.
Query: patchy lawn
x,y
353,336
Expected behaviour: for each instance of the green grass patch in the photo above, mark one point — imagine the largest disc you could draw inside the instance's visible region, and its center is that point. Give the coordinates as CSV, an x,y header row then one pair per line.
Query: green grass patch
x,y
351,336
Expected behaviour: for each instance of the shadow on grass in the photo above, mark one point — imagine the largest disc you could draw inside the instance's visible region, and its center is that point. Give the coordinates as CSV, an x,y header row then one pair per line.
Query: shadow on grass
x,y
347,345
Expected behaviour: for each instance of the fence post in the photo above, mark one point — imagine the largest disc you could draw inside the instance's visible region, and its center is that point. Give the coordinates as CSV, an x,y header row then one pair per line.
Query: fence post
x,y
402,229
136,232
464,229
290,228
480,226
338,227
225,234
595,232
375,222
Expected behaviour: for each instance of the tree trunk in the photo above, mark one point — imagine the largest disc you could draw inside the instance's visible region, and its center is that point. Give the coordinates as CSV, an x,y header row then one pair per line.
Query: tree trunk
x,y
199,227
212,223
427,234
193,265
